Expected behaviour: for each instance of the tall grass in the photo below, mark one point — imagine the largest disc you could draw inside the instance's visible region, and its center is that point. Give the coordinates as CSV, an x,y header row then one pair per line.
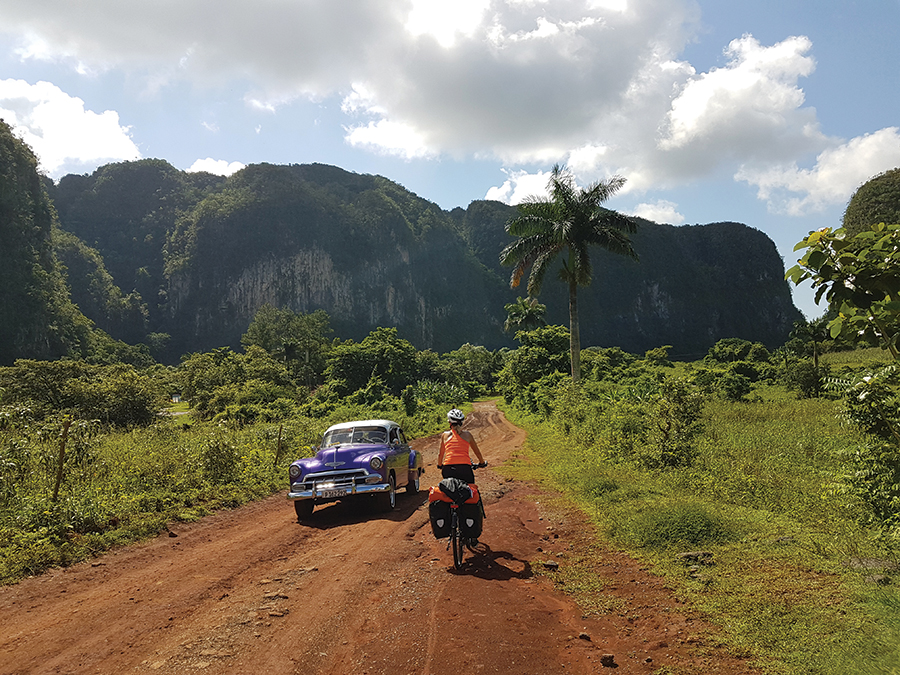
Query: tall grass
x,y
758,495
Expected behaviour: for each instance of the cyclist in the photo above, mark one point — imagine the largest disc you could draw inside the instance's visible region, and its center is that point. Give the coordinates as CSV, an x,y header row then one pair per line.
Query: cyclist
x,y
453,458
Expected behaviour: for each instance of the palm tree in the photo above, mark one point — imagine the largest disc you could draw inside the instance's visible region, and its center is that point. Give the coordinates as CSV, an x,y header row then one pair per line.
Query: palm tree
x,y
524,314
570,220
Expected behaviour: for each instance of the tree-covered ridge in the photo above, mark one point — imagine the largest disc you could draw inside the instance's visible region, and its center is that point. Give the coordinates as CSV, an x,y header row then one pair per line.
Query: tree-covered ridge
x,y
192,258
37,318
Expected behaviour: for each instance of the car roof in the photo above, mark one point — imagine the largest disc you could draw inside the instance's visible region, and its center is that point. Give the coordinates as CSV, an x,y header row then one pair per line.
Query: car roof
x,y
362,423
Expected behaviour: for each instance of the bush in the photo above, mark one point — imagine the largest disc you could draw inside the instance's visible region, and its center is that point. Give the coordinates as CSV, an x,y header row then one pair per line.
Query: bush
x,y
873,478
220,460
734,386
684,524
805,378
676,412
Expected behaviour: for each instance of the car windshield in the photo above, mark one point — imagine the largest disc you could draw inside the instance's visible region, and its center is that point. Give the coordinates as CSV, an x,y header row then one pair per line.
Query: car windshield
x,y
354,436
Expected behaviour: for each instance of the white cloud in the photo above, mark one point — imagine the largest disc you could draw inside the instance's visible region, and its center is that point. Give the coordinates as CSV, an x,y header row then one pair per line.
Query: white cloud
x,y
661,211
755,95
445,20
219,167
520,186
837,173
390,138
65,137
599,84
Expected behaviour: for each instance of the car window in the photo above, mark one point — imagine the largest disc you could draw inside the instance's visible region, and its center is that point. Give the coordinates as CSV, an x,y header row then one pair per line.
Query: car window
x,y
369,435
356,435
395,437
337,437
402,436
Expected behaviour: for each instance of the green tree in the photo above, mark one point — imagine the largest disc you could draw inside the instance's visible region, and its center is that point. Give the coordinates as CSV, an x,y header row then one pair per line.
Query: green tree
x,y
382,354
300,341
524,314
472,366
571,220
876,201
117,394
729,350
543,352
814,333
859,276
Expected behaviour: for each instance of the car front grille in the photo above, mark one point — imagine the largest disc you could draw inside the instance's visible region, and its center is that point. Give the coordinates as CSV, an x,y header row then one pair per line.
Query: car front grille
x,y
324,480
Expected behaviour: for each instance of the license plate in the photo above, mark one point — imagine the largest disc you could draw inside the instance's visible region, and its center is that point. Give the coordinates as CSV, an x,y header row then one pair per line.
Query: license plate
x,y
331,494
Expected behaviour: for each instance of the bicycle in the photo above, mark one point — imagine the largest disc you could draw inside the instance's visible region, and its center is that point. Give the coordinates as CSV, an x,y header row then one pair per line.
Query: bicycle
x,y
454,531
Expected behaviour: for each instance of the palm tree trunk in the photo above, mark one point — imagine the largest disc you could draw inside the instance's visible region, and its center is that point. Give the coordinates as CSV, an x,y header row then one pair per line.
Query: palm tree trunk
x,y
574,336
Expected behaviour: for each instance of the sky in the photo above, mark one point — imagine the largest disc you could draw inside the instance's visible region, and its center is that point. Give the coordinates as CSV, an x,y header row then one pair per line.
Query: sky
x,y
769,113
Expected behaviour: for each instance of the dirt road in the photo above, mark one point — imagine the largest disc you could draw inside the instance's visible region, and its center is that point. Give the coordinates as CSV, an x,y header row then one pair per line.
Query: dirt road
x,y
251,591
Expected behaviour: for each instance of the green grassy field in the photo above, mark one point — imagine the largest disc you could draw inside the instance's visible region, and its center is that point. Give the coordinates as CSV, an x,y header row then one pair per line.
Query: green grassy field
x,y
795,582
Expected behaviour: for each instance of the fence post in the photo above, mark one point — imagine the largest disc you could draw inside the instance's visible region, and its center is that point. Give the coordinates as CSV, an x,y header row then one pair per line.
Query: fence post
x,y
62,457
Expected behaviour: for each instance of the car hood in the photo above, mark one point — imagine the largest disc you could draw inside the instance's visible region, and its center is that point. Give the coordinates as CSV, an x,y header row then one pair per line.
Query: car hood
x,y
343,455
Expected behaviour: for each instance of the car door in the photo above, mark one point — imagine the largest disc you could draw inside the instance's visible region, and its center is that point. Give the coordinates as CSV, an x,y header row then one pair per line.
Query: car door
x,y
400,449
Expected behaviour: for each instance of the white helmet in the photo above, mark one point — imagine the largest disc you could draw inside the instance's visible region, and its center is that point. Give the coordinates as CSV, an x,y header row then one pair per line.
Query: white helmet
x,y
455,416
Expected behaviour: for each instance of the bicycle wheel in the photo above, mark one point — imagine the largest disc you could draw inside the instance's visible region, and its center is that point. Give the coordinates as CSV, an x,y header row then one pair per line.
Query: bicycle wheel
x,y
456,541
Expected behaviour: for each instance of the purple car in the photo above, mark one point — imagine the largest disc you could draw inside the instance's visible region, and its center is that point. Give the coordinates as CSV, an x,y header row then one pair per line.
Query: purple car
x,y
356,458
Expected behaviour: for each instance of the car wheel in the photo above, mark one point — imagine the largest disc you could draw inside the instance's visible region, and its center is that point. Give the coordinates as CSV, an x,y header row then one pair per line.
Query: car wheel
x,y
388,500
412,487
304,509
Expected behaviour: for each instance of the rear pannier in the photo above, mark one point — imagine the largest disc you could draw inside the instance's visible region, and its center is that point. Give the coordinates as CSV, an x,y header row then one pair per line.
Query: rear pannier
x,y
439,513
471,520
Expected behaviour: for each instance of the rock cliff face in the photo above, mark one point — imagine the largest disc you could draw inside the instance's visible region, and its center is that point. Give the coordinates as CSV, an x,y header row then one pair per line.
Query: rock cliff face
x,y
372,254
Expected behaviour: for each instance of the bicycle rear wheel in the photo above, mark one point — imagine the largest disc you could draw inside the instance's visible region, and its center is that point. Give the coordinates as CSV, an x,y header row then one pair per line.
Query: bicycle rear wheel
x,y
456,541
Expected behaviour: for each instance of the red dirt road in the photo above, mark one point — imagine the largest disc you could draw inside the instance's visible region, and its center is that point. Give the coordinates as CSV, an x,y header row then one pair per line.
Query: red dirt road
x,y
251,591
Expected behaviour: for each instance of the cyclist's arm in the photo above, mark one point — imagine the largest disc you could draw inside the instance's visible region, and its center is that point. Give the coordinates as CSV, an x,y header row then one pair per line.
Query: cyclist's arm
x,y
475,448
440,461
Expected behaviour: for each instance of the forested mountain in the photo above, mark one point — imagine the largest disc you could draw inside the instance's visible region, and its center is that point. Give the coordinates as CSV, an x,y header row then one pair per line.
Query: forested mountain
x,y
37,318
194,256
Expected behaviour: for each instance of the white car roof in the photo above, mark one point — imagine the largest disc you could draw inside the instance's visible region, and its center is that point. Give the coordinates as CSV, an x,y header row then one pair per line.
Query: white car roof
x,y
362,423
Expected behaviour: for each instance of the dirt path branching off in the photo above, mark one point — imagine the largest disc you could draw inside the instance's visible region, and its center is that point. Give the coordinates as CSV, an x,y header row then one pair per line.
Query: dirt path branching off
x,y
355,591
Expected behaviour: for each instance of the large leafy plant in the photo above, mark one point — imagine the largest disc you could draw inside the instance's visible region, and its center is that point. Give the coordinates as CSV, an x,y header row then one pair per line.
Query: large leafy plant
x,y
859,276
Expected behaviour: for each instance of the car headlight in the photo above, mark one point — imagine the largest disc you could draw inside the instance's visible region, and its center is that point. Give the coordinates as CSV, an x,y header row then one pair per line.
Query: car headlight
x,y
376,463
294,471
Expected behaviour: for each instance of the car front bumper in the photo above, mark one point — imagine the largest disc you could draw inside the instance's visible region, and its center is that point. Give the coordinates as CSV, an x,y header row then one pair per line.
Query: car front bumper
x,y
336,491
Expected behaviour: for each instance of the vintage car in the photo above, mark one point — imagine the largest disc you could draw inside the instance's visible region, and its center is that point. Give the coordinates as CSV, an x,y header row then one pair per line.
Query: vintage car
x,y
369,457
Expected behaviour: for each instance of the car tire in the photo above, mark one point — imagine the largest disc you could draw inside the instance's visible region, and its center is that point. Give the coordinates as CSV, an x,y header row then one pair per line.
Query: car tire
x,y
412,487
303,508
388,500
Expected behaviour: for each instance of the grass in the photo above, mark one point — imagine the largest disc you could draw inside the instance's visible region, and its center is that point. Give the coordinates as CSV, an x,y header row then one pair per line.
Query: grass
x,y
757,498
870,358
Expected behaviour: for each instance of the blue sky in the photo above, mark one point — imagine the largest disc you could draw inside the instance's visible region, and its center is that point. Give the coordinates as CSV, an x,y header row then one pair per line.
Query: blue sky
x,y
769,113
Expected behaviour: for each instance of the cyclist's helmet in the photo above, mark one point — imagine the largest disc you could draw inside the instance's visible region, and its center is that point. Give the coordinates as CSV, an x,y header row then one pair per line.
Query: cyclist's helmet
x,y
455,416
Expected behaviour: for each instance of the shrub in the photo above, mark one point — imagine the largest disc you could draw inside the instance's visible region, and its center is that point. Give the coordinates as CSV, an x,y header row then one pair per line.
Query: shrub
x,y
676,413
683,524
734,386
805,378
220,460
873,477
